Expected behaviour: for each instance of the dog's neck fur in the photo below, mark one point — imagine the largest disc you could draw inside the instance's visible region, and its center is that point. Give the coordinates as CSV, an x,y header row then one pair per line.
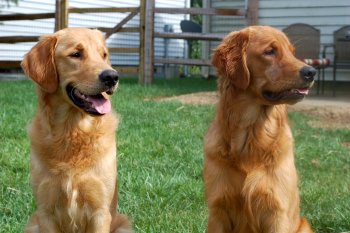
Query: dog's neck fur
x,y
251,128
74,126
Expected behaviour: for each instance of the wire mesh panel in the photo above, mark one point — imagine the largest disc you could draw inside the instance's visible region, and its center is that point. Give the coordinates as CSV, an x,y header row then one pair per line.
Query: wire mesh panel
x,y
124,45
13,52
120,20
220,24
117,42
166,48
199,25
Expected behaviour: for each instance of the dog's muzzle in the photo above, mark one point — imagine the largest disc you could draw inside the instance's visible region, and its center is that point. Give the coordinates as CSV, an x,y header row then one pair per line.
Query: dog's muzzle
x,y
110,79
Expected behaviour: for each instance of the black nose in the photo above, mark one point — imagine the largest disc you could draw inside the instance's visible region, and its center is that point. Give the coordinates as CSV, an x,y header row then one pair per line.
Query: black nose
x,y
109,77
308,73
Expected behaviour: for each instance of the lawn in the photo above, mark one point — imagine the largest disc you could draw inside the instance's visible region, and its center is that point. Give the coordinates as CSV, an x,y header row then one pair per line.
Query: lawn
x,y
161,157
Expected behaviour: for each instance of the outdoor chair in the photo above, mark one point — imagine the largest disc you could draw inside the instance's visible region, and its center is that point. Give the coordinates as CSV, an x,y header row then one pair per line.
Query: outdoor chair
x,y
306,40
341,41
190,26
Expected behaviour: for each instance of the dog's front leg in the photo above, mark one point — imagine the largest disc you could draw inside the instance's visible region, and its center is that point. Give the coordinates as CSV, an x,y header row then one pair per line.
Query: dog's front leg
x,y
44,218
47,223
267,203
93,193
215,224
100,221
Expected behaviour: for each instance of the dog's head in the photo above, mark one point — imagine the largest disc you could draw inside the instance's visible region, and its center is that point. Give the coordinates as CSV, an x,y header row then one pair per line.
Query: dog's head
x,y
74,63
260,62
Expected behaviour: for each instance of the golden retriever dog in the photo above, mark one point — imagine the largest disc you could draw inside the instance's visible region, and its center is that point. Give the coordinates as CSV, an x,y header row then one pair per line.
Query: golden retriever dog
x,y
251,182
73,147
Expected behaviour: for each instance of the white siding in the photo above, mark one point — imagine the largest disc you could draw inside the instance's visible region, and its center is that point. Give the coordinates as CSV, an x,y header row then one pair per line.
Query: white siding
x,y
325,15
46,26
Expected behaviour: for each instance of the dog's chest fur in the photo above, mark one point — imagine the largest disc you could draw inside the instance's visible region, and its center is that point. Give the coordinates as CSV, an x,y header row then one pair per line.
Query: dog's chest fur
x,y
75,177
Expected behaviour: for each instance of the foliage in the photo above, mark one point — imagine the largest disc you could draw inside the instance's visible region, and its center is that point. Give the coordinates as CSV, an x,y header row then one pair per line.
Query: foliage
x,y
195,47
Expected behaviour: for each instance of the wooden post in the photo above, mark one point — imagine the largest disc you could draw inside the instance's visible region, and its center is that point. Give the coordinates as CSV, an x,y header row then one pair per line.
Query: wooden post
x,y
206,44
146,41
252,12
142,42
61,19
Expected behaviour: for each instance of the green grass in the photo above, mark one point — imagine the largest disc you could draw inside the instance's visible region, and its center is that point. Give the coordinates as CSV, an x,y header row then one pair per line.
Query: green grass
x,y
161,157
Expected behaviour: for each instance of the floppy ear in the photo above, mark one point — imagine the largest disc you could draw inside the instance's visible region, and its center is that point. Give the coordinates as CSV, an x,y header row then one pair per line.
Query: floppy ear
x,y
39,64
230,59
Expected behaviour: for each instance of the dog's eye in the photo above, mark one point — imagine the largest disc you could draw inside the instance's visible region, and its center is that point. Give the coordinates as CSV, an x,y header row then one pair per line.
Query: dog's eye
x,y
270,52
76,55
104,55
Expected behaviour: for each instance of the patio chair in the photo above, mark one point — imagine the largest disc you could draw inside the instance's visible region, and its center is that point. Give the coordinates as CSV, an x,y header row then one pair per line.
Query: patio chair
x,y
341,41
306,40
190,26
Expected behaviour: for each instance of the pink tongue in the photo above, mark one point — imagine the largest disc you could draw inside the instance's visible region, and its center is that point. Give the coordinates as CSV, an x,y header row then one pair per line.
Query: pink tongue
x,y
303,91
101,105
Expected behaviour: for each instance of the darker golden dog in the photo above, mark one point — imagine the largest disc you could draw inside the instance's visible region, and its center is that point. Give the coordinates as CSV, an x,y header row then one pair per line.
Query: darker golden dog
x,y
251,183
73,147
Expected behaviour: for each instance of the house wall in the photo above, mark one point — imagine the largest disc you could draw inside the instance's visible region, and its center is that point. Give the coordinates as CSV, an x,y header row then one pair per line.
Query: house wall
x,y
325,15
46,26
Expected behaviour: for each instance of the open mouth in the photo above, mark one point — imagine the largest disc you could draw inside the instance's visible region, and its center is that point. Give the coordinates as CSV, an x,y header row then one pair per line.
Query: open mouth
x,y
96,105
289,95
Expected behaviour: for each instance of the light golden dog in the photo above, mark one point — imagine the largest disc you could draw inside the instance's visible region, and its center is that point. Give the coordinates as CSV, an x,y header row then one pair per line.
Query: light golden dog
x,y
73,147
251,183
